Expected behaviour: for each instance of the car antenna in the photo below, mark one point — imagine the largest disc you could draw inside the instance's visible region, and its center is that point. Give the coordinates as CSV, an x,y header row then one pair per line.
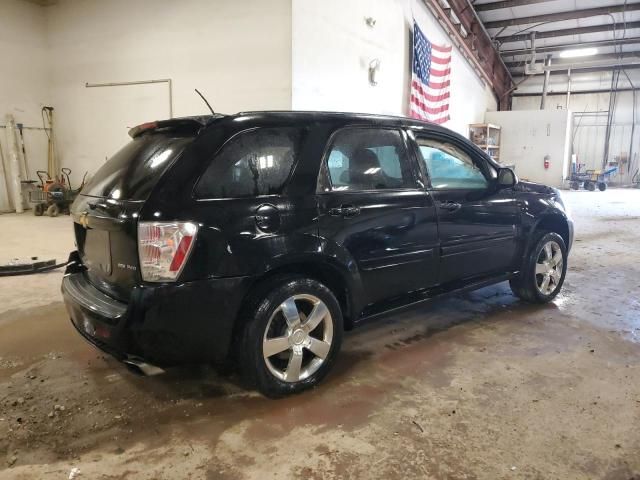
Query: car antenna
x,y
205,101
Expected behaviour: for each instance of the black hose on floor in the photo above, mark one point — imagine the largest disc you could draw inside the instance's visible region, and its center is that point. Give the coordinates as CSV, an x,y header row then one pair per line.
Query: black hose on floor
x,y
42,266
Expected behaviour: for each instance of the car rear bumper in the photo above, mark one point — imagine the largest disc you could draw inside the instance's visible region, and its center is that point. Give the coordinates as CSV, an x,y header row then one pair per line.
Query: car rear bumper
x,y
162,325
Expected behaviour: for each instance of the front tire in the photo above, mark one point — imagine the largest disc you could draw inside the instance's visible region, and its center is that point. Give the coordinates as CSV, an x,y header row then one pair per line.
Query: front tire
x,y
543,271
292,335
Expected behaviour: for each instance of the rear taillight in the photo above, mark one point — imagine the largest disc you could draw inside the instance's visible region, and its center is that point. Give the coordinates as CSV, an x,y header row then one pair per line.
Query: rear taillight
x,y
164,248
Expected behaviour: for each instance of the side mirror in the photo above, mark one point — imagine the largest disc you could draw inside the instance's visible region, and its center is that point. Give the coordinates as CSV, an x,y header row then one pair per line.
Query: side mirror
x,y
506,178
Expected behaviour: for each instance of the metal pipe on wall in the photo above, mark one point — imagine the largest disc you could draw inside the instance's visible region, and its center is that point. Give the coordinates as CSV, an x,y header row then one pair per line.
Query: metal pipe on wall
x,y
532,60
613,96
633,132
545,86
568,88
138,82
52,164
633,124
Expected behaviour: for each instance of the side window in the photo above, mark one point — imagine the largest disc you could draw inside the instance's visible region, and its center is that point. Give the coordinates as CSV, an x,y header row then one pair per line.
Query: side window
x,y
449,167
369,159
257,162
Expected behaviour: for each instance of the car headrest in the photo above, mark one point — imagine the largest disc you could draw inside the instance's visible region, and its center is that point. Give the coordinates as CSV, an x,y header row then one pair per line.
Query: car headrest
x,y
363,160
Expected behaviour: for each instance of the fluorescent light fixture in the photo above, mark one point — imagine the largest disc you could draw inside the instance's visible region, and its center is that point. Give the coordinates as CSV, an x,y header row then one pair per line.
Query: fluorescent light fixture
x,y
578,52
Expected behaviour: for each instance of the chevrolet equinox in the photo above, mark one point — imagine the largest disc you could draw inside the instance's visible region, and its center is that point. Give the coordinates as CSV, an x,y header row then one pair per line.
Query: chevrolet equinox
x,y
261,237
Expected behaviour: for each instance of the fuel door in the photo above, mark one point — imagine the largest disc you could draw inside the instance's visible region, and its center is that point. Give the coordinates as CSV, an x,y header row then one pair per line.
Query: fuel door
x,y
267,218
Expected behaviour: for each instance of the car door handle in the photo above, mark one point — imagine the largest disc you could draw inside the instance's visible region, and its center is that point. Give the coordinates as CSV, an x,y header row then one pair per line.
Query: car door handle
x,y
450,206
344,211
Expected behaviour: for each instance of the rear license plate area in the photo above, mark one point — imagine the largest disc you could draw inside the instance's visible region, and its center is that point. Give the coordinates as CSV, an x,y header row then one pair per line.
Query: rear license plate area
x,y
97,251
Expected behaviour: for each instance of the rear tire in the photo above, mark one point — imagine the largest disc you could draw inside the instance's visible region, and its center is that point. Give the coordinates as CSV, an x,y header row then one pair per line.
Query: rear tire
x,y
602,186
543,271
38,209
53,210
574,186
590,186
292,335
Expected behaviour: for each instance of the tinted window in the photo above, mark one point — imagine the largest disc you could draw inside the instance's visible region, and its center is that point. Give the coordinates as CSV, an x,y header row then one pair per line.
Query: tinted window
x,y
256,162
132,172
368,159
449,167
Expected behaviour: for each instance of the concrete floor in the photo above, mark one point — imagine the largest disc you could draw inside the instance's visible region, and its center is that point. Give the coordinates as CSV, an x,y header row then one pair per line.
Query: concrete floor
x,y
478,386
25,236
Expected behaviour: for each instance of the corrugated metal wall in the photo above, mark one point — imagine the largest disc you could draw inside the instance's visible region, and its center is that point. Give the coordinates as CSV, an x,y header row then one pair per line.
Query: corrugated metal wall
x,y
590,126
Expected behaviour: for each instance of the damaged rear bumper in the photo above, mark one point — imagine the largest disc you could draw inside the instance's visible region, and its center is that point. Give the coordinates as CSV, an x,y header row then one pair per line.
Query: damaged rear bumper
x,y
160,325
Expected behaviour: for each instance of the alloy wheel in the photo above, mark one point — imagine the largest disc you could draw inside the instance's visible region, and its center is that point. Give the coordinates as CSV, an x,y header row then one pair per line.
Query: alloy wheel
x,y
549,267
298,338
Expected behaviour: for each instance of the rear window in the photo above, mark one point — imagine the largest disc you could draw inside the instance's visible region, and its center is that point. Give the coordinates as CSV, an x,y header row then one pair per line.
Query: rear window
x,y
369,159
256,162
132,173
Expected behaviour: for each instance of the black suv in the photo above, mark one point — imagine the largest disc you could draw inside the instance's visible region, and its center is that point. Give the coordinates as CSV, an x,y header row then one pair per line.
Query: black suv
x,y
260,237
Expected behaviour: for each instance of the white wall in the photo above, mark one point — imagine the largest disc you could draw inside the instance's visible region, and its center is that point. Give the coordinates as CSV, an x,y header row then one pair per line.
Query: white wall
x,y
238,53
332,48
24,80
243,55
528,136
590,118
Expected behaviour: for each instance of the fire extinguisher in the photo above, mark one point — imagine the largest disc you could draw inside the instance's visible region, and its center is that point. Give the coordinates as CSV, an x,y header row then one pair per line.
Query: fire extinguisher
x,y
547,160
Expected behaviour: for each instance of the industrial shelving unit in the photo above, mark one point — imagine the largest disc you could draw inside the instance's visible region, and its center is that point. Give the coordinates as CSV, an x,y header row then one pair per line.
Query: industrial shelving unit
x,y
487,137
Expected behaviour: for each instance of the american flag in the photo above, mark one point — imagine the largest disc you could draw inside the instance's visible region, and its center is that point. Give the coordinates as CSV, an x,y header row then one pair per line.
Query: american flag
x,y
430,79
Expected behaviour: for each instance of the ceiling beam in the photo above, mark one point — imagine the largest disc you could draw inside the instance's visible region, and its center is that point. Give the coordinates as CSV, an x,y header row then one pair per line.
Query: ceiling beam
x,y
618,64
595,58
483,7
474,43
560,16
574,92
520,78
569,46
520,75
567,32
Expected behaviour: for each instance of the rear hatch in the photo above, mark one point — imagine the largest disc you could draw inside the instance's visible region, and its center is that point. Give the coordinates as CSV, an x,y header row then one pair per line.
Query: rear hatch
x,y
106,211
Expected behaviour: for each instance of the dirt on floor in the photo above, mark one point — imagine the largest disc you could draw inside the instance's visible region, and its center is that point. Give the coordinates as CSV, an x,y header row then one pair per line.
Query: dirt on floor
x,y
479,386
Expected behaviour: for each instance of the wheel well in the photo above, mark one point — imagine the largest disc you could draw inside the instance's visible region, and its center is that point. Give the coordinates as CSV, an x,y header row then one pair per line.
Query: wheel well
x,y
325,274
555,224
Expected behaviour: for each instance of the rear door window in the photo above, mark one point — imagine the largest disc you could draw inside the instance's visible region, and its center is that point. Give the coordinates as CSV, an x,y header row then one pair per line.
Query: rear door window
x,y
256,162
369,159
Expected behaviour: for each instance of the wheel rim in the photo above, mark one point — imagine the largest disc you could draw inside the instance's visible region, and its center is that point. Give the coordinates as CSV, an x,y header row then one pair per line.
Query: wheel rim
x,y
298,338
549,268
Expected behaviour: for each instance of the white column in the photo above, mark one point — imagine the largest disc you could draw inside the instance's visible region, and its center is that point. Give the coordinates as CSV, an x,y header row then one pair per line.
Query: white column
x,y
15,186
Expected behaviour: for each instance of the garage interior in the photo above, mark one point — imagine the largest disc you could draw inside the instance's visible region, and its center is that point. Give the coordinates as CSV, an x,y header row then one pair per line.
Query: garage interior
x,y
480,385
